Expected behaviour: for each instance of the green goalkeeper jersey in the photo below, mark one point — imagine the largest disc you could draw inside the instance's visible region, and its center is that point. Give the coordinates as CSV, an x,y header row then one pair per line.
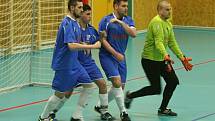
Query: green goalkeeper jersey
x,y
160,35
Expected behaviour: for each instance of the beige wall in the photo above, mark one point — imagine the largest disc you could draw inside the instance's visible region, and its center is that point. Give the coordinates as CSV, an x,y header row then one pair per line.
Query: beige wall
x,y
185,12
100,9
194,13
144,11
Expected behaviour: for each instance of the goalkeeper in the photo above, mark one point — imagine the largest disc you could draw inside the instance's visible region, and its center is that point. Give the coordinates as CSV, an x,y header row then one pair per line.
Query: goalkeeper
x,y
156,62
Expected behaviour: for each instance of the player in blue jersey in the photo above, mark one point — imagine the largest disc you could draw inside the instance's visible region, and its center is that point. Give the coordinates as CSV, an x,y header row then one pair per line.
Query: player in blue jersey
x,y
118,27
91,36
68,71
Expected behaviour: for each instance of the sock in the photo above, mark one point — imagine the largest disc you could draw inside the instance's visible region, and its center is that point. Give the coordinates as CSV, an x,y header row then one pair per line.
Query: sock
x,y
50,106
104,102
110,97
60,105
119,97
82,102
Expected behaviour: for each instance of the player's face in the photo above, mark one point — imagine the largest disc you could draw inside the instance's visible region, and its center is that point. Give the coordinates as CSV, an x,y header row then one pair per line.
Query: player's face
x,y
122,8
166,11
86,16
78,9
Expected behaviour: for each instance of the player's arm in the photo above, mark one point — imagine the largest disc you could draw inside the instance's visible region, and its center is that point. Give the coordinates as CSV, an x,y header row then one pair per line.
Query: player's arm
x,y
78,46
103,39
131,31
109,48
173,45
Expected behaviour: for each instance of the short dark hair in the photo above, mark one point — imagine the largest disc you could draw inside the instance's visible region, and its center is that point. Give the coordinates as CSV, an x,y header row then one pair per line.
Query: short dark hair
x,y
73,3
118,1
86,7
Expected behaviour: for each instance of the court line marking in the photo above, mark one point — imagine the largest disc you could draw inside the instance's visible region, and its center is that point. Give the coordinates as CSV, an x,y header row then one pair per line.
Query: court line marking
x,y
205,116
132,79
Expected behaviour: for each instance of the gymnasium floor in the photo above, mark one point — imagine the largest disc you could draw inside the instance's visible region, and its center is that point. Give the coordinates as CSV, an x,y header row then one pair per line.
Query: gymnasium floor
x,y
193,99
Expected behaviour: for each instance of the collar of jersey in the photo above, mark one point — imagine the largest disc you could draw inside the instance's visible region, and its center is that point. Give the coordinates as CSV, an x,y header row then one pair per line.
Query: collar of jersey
x,y
71,18
116,17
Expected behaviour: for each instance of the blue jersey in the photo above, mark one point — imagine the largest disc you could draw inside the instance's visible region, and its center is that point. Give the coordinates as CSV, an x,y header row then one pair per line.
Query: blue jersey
x,y
64,58
116,35
89,35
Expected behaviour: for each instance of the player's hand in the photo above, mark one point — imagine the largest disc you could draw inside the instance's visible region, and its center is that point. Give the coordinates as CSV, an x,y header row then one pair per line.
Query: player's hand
x,y
97,45
168,59
168,62
119,56
187,65
114,20
86,51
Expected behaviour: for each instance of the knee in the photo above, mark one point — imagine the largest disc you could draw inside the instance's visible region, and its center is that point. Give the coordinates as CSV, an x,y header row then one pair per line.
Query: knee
x,y
172,86
156,90
68,95
101,85
116,82
59,94
88,85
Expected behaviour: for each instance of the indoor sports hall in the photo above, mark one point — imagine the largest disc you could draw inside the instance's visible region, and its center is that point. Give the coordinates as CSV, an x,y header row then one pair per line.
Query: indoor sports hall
x,y
28,31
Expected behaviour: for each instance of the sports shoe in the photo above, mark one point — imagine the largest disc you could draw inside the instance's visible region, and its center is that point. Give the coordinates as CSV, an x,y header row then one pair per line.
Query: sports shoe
x,y
73,119
98,109
52,115
107,117
124,116
166,112
40,119
46,119
127,101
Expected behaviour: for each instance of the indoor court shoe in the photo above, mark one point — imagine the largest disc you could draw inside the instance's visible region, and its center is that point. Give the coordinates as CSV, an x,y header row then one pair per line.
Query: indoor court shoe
x,y
40,119
98,109
124,116
107,117
52,115
73,119
127,101
166,112
47,119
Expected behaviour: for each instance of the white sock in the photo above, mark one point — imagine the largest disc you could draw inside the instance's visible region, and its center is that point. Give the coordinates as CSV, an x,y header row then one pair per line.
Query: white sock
x,y
50,106
119,97
104,102
60,105
82,102
110,97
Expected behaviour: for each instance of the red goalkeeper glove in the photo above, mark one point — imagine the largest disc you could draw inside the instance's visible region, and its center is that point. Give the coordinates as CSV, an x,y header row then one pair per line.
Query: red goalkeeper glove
x,y
187,65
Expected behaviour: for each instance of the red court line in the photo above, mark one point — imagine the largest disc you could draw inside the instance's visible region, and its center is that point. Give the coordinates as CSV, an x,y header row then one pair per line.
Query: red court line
x,y
132,79
20,106
28,104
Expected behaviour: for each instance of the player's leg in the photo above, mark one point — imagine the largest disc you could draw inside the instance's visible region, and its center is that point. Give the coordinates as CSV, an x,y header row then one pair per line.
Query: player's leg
x,y
152,71
122,68
110,67
96,75
107,65
86,92
103,96
105,62
53,101
172,81
61,104
58,84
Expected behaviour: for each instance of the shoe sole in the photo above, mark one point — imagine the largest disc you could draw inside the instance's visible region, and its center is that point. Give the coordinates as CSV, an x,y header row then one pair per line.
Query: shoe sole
x,y
161,114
